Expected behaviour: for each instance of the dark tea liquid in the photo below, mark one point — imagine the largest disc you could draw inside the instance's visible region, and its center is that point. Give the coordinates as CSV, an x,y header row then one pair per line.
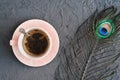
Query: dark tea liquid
x,y
37,43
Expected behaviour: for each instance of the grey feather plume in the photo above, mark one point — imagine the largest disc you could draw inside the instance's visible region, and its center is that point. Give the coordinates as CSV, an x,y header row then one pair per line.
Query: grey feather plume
x,y
86,57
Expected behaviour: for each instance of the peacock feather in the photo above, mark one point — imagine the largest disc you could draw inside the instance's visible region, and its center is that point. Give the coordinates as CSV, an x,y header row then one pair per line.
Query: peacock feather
x,y
93,51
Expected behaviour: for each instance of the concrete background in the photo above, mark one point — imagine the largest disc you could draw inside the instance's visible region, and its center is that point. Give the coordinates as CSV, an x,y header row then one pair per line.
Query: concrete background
x,y
64,15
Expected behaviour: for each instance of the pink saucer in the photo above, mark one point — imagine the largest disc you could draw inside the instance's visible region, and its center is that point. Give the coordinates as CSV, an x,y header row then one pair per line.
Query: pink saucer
x,y
27,59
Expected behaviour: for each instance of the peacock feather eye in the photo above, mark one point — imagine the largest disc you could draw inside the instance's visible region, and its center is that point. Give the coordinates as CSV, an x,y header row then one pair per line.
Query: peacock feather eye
x,y
104,29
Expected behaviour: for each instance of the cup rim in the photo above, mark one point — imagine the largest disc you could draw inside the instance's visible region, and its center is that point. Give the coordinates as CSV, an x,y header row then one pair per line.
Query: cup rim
x,y
20,45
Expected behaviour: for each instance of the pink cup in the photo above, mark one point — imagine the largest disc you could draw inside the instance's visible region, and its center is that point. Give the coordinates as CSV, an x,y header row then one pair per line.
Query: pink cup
x,y
27,59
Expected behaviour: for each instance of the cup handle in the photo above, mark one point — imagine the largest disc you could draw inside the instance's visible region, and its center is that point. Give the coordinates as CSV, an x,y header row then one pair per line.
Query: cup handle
x,y
12,42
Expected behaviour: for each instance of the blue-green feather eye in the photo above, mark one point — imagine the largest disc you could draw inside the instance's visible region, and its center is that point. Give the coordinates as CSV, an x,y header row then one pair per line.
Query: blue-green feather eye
x,y
104,28
103,31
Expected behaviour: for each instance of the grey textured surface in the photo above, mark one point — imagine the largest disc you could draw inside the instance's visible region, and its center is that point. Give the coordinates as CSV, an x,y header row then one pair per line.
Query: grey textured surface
x,y
64,15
